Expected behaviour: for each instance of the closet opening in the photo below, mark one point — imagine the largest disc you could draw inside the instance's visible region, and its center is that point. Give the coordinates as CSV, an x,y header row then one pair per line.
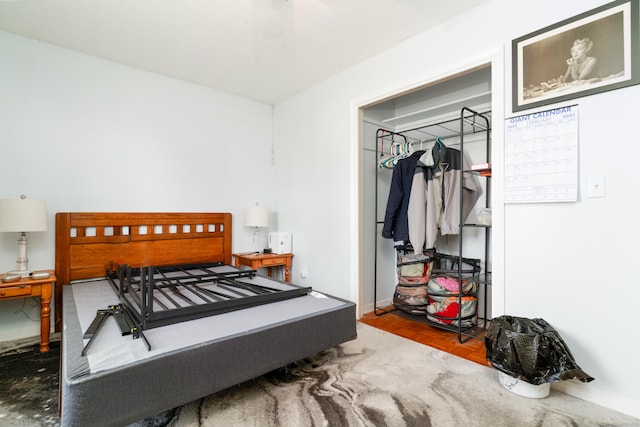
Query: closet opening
x,y
440,112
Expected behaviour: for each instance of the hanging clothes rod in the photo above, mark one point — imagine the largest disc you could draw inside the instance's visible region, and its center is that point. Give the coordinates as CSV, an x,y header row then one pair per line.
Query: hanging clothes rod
x,y
443,130
386,133
474,124
428,133
440,124
382,134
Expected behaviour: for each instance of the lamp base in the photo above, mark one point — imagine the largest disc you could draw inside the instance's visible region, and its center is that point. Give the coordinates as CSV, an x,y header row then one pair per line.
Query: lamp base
x,y
22,263
22,273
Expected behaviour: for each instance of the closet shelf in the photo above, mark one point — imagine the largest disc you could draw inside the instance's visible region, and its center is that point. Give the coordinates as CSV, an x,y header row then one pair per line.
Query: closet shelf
x,y
486,173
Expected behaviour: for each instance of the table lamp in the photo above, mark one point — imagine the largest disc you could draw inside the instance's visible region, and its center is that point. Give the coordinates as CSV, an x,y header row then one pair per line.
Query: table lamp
x,y
256,216
22,215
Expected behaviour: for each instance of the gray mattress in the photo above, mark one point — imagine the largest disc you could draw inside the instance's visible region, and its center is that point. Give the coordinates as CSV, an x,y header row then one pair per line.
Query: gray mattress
x,y
119,381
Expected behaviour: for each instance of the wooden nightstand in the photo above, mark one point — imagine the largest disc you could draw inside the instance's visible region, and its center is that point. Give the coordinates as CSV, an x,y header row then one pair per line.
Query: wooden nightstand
x,y
258,260
28,287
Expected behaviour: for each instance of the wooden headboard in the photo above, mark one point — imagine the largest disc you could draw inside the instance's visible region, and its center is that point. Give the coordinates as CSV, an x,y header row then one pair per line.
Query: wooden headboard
x,y
89,243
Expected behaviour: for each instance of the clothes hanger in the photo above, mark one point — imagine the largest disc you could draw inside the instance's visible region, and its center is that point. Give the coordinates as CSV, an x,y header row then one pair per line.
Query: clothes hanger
x,y
404,152
437,150
394,150
398,150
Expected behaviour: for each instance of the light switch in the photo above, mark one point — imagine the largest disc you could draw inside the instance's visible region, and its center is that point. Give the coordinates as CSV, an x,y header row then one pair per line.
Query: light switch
x,y
597,187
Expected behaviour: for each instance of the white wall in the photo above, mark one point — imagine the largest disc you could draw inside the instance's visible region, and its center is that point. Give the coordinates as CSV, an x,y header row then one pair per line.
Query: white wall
x,y
565,263
379,269
85,134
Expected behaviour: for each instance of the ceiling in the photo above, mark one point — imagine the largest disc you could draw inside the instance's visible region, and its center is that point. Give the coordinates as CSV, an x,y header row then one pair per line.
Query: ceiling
x,y
265,50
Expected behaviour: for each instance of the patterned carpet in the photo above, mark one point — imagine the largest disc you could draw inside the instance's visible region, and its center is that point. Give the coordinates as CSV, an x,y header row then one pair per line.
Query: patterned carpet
x,y
29,384
378,379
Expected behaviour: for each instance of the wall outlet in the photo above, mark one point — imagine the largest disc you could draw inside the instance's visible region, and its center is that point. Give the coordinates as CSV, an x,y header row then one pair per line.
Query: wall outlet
x,y
304,272
597,187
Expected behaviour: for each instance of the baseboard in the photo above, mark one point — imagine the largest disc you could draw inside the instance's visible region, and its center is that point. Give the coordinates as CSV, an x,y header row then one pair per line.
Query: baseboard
x,y
368,308
19,332
596,396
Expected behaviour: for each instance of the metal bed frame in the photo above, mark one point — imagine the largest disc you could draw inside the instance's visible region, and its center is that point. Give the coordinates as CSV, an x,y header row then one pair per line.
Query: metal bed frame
x,y
159,296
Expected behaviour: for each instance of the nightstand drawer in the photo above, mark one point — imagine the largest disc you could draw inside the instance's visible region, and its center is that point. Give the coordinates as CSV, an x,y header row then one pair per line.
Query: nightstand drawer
x,y
15,291
257,260
272,261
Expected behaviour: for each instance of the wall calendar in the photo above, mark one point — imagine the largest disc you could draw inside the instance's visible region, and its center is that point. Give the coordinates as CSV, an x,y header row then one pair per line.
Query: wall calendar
x,y
541,157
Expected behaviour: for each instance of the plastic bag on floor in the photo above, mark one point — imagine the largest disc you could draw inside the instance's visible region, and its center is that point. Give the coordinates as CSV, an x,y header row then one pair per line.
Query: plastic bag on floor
x,y
530,350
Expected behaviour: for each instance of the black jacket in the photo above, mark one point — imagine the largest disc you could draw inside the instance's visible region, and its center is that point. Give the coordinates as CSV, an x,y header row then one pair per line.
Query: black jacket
x,y
396,224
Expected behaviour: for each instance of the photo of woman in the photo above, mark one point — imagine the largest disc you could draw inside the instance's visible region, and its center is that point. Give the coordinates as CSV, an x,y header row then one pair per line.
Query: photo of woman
x,y
592,53
582,66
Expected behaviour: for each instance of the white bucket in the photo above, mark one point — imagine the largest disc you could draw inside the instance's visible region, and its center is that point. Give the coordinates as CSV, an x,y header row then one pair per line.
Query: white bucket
x,y
523,388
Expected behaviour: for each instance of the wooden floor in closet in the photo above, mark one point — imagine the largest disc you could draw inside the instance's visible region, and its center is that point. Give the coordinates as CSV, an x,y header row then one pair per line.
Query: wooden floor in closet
x,y
417,331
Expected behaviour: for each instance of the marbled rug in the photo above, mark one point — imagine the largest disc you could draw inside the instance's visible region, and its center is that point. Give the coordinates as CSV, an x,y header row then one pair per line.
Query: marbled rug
x,y
379,379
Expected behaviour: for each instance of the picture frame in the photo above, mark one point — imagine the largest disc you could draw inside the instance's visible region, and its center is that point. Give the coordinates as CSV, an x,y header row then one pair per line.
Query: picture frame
x,y
593,52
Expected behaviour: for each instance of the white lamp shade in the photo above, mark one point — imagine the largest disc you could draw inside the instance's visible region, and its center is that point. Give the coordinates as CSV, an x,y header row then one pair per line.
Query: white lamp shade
x,y
256,216
18,215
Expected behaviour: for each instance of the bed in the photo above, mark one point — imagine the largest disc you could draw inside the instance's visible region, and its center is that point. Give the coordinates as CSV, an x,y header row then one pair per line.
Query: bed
x,y
120,379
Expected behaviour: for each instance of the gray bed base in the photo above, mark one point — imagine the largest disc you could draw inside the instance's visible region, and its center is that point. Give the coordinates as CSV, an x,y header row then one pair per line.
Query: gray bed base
x,y
141,389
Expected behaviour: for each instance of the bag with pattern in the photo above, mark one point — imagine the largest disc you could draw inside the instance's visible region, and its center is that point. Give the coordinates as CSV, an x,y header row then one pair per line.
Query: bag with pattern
x,y
411,299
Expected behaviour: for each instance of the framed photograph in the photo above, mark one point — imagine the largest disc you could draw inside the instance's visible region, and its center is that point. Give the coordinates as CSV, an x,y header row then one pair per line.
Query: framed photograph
x,y
593,52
